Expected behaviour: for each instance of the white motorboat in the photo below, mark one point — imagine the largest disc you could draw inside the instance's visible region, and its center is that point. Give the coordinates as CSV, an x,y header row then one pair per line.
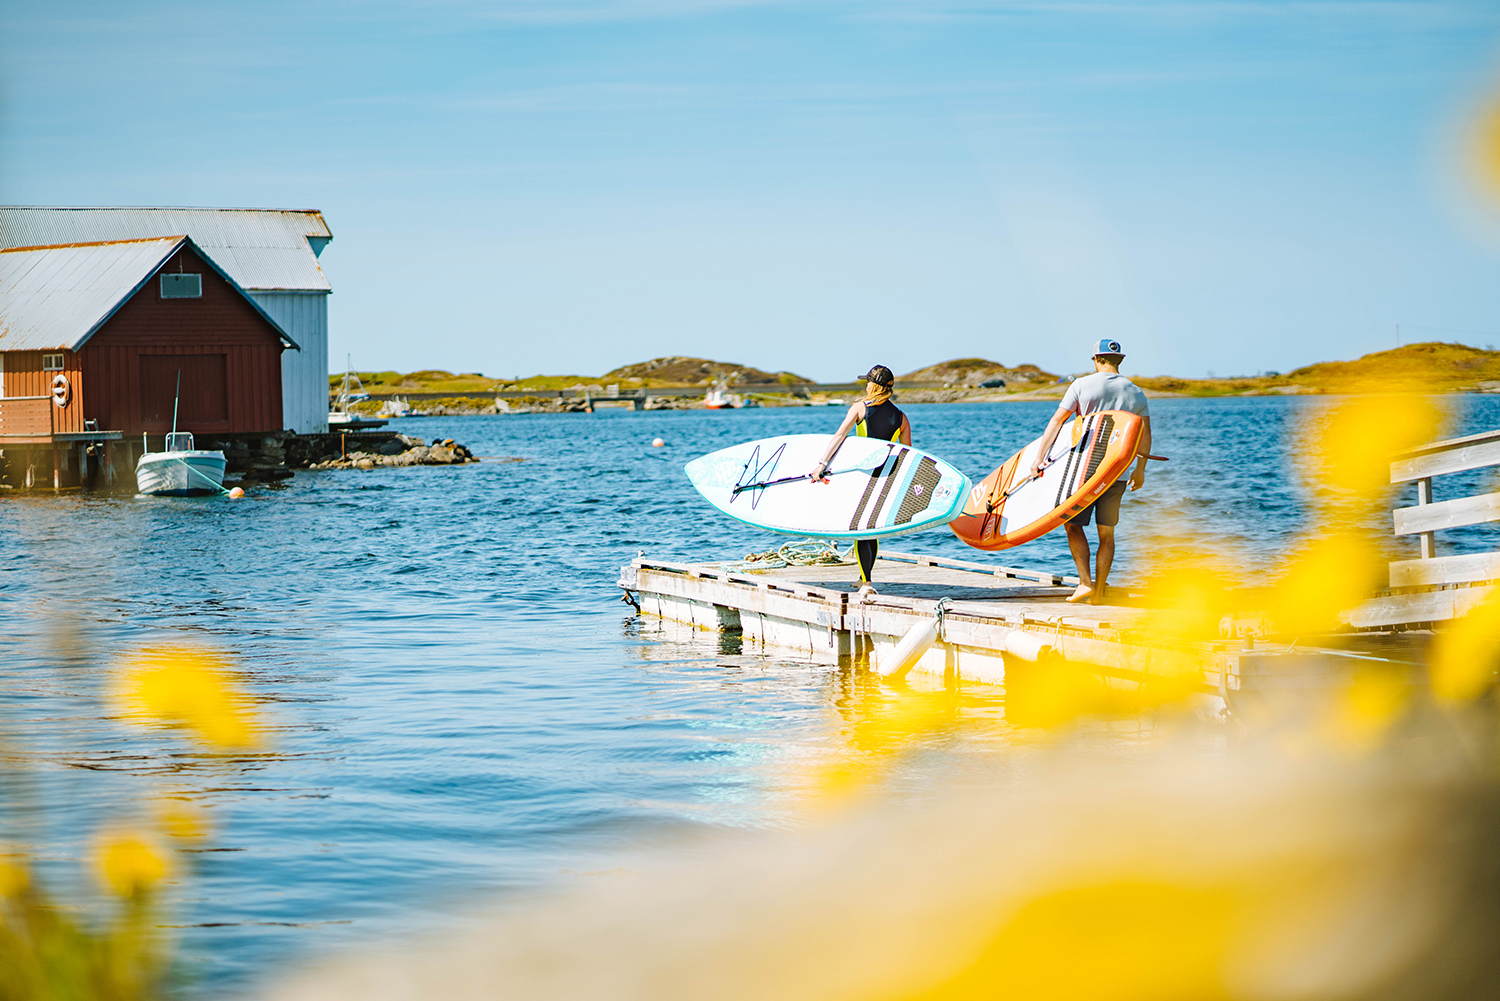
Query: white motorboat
x,y
181,470
719,398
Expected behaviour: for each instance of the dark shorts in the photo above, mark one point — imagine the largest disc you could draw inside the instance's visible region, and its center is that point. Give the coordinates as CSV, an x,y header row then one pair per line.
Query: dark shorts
x,y
1106,508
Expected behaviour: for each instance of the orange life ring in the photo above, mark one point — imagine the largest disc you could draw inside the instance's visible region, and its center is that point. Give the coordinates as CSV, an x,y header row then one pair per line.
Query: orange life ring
x,y
62,390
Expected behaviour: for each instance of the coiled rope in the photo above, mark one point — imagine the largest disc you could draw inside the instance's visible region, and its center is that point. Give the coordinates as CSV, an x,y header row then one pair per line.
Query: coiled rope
x,y
798,553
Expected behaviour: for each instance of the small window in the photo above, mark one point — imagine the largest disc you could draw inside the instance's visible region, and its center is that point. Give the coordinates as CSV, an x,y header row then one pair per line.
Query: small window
x,y
180,286
52,363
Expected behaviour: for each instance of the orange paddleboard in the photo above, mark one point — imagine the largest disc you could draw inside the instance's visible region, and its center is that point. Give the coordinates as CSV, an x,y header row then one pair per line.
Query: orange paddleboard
x,y
1011,506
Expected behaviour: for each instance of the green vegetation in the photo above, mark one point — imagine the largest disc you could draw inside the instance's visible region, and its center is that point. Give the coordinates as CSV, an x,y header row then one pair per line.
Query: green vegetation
x,y
970,373
425,381
683,371
1429,367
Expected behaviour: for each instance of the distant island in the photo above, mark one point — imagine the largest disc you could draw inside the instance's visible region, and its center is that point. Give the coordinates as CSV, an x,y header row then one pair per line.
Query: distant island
x,y
1432,367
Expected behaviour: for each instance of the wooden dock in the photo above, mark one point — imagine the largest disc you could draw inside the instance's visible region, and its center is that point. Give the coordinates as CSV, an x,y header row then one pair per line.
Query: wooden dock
x,y
993,617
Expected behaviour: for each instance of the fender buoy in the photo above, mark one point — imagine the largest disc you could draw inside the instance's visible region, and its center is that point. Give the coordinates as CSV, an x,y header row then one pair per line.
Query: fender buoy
x,y
917,641
62,390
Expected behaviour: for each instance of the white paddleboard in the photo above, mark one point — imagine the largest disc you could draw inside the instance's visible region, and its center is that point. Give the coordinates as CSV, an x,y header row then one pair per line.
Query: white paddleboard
x,y
873,489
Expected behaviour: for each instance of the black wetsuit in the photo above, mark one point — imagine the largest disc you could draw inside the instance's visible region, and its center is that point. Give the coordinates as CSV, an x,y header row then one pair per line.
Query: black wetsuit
x,y
883,421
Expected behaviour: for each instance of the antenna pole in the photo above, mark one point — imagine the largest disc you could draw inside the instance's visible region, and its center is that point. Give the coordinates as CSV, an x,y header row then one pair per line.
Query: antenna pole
x,y
175,398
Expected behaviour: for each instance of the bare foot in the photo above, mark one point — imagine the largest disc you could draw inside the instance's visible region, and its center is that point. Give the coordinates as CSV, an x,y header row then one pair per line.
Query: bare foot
x,y
1100,595
1084,593
866,592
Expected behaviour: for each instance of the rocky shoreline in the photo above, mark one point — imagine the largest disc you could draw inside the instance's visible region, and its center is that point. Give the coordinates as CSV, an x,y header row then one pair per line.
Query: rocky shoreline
x,y
400,451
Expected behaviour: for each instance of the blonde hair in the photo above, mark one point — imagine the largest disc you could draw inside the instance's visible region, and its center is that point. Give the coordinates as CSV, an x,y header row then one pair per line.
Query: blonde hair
x,y
876,394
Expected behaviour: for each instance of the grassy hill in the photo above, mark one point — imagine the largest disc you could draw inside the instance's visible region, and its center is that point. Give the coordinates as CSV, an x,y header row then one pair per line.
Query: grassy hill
x,y
669,371
972,372
681,371
430,380
1431,367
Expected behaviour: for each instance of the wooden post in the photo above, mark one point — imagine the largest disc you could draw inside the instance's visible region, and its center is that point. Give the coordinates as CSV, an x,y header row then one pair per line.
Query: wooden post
x,y
1424,496
56,468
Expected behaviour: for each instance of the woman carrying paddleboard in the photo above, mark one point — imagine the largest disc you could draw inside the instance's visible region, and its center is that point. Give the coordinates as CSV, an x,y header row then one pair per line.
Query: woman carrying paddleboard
x,y
873,417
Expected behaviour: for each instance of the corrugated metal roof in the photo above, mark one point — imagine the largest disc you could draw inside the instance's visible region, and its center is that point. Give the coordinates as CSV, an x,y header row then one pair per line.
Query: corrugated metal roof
x,y
261,249
54,298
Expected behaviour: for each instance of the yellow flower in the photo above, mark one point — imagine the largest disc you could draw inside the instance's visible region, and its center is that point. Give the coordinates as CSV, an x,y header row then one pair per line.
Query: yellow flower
x,y
1486,146
1189,599
1349,448
1465,654
130,865
1331,574
1131,940
190,688
13,879
1365,710
182,820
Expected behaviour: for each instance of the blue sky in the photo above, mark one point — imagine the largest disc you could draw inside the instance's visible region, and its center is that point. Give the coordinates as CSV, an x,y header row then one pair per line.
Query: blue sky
x,y
522,187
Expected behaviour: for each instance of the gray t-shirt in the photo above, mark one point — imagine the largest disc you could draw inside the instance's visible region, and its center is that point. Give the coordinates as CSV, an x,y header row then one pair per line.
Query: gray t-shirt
x,y
1104,391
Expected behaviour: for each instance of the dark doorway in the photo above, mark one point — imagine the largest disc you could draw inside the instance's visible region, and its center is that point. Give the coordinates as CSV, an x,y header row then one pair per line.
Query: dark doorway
x,y
204,402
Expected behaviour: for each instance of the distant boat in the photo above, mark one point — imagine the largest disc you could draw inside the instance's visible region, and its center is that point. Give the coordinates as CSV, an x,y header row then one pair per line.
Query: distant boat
x,y
340,417
718,399
181,470
397,407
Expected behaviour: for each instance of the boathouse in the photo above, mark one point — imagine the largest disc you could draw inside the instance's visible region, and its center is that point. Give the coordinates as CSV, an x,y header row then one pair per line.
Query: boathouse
x,y
271,254
95,339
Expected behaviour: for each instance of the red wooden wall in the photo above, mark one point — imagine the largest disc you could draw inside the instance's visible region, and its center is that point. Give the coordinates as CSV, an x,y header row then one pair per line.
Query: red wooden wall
x,y
24,377
228,354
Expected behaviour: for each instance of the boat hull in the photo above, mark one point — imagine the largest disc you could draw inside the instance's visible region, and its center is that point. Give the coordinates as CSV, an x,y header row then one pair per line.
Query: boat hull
x,y
180,474
338,421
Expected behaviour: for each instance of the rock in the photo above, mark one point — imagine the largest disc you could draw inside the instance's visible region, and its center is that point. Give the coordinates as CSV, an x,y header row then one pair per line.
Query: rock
x,y
364,464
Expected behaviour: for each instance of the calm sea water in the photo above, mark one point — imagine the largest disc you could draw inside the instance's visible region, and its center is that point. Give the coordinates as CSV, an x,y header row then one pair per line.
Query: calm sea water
x,y
460,705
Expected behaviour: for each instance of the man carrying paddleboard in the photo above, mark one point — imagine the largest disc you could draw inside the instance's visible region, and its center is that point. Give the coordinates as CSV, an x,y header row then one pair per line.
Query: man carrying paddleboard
x,y
1106,389
873,417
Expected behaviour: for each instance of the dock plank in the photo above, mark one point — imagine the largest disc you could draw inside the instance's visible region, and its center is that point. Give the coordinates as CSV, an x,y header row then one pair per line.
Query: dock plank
x,y
1447,514
990,621
1409,609
1482,450
1465,569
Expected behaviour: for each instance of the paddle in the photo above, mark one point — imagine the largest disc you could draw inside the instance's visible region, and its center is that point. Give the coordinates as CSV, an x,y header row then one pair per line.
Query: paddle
x,y
791,479
990,504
